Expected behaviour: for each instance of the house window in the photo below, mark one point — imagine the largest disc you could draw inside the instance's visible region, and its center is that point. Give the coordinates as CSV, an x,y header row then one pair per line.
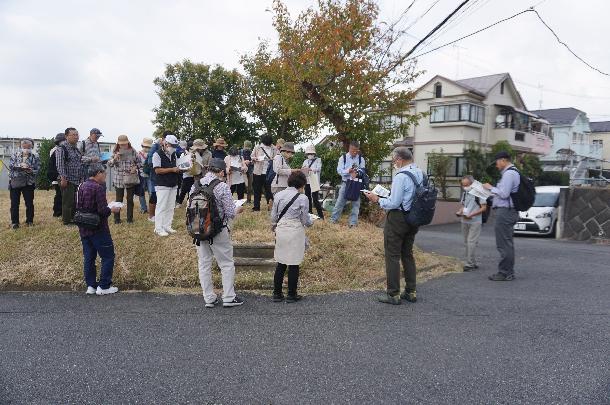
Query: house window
x,y
502,88
457,112
438,90
520,136
385,173
456,168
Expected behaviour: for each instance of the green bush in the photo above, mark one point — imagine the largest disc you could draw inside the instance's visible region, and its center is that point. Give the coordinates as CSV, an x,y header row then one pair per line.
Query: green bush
x,y
42,182
553,179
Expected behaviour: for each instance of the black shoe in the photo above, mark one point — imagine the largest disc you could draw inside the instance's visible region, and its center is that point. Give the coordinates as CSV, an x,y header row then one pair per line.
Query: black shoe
x,y
256,209
278,297
130,221
389,299
28,224
410,296
212,304
117,221
502,277
14,226
293,298
469,268
56,215
235,303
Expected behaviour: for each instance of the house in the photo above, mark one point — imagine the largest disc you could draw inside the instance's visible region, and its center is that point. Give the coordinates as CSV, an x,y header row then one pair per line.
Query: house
x,y
572,147
600,136
482,110
9,145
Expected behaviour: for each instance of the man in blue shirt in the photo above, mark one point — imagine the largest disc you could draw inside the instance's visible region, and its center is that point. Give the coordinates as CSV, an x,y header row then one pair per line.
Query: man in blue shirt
x,y
398,235
506,216
347,168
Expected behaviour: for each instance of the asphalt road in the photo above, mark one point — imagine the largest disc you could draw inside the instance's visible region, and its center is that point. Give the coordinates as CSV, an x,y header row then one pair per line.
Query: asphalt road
x,y
543,338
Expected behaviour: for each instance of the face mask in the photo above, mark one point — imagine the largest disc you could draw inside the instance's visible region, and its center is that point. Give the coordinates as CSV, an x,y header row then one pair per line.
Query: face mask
x,y
26,151
170,149
467,189
311,157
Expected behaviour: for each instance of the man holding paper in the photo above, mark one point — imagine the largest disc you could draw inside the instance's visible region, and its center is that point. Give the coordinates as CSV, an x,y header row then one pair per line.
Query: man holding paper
x,y
471,212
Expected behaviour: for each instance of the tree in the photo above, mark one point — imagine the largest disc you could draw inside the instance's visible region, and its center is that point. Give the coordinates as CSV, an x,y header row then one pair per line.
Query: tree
x,y
200,101
439,164
44,148
530,166
339,68
477,162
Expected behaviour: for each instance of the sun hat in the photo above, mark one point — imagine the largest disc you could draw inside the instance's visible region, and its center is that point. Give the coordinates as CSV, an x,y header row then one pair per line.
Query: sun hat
x,y
172,140
122,140
310,150
288,147
221,142
147,142
199,144
280,142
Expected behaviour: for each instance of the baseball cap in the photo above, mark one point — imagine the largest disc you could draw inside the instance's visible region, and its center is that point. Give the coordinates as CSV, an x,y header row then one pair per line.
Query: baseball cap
x,y
502,155
171,139
96,132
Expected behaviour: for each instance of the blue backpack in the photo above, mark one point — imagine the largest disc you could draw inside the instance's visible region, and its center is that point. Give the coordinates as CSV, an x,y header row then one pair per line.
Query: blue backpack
x,y
270,175
423,204
354,186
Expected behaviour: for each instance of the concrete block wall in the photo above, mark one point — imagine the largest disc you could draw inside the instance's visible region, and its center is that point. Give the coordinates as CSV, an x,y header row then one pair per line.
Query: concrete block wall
x,y
584,213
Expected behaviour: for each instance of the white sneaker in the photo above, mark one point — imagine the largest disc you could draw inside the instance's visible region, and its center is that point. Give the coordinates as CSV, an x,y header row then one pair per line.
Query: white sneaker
x,y
171,230
109,290
152,219
177,206
90,290
162,233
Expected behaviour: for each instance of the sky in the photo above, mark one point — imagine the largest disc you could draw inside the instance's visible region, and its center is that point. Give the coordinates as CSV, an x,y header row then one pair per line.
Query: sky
x,y
92,63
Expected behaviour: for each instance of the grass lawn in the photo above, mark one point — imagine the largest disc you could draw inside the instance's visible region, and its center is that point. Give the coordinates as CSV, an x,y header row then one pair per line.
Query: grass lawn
x,y
49,255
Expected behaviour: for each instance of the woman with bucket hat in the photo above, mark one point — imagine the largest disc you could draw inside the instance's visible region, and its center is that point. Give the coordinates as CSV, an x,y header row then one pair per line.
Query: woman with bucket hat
x,y
219,149
200,157
144,174
282,169
125,174
313,165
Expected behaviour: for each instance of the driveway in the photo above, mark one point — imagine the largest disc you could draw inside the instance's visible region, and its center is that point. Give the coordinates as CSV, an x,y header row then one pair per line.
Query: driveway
x,y
543,338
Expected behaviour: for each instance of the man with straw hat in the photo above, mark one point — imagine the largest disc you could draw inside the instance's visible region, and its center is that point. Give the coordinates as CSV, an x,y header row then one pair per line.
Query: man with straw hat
x,y
219,149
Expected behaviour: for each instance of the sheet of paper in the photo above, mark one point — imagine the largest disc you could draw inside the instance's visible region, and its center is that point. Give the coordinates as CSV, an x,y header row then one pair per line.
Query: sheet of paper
x,y
479,191
313,217
381,191
239,203
184,162
115,204
105,156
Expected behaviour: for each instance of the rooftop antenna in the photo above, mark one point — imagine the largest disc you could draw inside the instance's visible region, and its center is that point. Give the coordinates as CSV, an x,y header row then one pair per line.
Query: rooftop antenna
x,y
540,87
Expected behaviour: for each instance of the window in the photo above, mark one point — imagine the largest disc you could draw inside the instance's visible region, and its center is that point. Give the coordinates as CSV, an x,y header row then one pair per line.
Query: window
x,y
438,90
519,136
456,168
457,112
574,137
385,173
502,88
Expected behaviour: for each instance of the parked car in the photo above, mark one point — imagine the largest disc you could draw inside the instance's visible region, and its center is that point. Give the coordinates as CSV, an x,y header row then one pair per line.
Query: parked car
x,y
541,219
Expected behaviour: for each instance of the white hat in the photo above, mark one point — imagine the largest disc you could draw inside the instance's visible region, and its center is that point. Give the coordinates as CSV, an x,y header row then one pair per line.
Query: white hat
x,y
310,150
171,139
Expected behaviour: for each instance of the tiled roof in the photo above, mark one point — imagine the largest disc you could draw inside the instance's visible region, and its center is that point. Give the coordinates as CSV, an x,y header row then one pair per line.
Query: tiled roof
x,y
602,126
559,116
483,84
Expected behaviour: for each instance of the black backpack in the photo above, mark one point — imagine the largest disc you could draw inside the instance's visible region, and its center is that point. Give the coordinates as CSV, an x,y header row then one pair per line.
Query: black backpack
x,y
362,173
203,220
424,202
485,214
524,197
52,173
270,175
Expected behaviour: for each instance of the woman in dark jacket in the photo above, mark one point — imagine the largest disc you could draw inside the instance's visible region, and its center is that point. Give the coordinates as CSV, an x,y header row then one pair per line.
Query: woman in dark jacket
x,y
91,198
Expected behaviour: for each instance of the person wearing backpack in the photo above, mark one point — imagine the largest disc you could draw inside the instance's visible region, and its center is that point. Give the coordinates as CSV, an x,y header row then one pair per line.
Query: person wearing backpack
x,y
471,213
349,167
53,175
219,246
282,169
289,218
262,156
313,164
506,215
398,234
71,173
90,149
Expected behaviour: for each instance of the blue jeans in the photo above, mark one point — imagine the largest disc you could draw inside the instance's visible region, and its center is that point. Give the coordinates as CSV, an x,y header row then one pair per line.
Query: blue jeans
x,y
340,204
100,244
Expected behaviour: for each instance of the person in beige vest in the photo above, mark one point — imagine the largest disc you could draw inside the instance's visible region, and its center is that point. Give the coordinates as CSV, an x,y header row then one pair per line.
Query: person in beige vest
x,y
289,217
282,169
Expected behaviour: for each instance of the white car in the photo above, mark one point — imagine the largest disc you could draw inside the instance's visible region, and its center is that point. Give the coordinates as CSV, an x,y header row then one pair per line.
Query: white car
x,y
541,219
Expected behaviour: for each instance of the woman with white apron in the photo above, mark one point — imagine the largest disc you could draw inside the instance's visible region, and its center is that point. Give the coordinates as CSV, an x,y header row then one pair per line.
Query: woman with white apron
x,y
289,217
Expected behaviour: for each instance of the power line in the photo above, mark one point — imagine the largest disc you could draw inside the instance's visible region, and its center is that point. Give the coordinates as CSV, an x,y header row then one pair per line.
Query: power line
x,y
566,45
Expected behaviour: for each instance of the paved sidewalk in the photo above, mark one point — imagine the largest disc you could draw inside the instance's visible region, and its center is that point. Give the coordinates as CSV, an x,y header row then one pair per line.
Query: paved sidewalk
x,y
543,338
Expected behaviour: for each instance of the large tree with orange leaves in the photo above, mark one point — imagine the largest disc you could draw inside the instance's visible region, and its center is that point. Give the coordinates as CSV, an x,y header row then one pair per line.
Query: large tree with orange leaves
x,y
339,66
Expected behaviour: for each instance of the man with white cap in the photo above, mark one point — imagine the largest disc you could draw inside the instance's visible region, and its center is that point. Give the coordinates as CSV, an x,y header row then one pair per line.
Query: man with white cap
x,y
314,164
166,185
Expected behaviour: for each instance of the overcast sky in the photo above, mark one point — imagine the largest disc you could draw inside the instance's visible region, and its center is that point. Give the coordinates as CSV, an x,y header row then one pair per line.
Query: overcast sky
x,y
91,63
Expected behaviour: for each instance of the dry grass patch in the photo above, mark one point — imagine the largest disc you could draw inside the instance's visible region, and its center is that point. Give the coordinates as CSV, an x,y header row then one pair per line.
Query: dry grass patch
x,y
49,255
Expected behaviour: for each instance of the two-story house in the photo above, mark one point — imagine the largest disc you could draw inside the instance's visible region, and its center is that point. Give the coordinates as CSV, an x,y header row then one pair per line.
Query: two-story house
x,y
600,137
573,148
483,110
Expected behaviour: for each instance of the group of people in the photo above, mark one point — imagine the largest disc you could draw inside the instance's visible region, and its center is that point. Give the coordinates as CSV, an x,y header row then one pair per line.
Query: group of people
x,y
79,176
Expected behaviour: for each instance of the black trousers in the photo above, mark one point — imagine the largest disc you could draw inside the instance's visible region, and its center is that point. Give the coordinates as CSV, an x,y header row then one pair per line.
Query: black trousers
x,y
398,238
179,187
240,189
278,279
120,193
315,197
260,184
28,198
187,183
57,201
